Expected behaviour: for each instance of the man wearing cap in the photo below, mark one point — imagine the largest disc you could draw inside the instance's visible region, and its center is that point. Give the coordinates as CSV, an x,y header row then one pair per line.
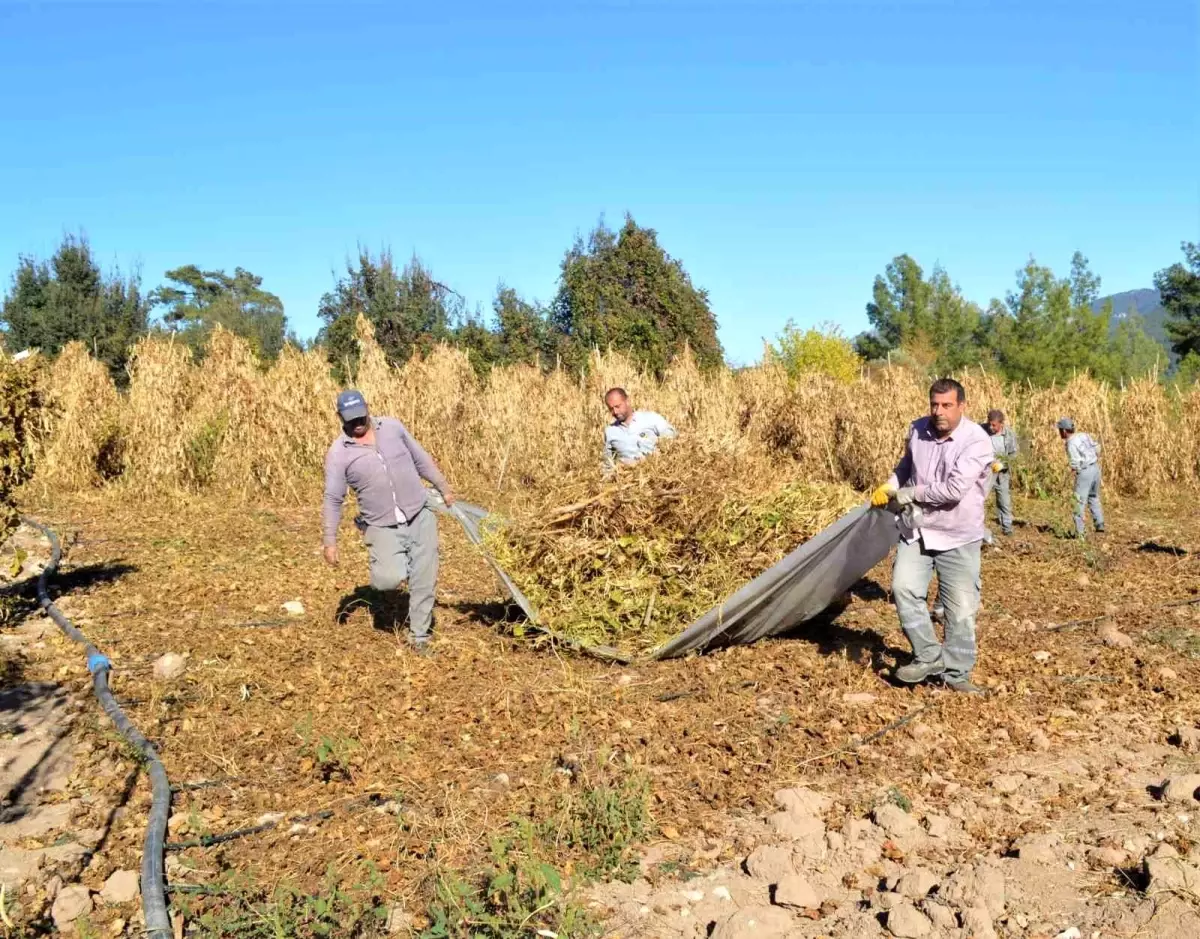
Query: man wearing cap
x,y
384,465
941,484
1004,448
632,435
1083,453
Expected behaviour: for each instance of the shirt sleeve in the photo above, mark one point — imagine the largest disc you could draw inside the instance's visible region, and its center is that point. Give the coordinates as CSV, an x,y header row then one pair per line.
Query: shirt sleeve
x,y
1013,448
424,462
335,495
609,460
969,467
663,427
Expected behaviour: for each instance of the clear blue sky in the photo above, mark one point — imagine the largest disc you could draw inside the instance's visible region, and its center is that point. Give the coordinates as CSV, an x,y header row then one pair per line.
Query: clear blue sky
x,y
785,151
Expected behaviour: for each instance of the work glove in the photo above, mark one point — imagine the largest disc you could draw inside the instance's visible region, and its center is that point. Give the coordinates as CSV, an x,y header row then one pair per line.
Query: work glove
x,y
906,496
997,467
881,496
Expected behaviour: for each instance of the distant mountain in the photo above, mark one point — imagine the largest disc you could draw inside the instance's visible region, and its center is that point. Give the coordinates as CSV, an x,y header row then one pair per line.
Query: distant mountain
x,y
1146,304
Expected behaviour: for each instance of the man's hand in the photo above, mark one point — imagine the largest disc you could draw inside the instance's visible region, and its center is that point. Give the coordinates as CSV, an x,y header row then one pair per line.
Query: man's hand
x,y
331,554
906,496
881,496
449,498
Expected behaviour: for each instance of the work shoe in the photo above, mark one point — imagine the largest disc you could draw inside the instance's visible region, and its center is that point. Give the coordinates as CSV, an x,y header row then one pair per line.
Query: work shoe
x,y
964,686
422,647
916,672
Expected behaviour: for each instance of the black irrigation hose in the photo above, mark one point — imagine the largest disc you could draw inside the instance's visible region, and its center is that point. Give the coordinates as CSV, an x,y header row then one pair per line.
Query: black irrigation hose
x,y
154,897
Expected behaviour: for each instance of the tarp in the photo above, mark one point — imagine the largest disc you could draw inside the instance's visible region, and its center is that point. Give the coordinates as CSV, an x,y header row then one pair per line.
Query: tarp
x,y
795,590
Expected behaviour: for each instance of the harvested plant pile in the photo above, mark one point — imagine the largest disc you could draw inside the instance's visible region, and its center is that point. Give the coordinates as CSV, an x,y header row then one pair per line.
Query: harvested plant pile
x,y
631,560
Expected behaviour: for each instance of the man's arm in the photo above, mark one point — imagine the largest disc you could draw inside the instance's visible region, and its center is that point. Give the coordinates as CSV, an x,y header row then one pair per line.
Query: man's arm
x,y
1012,447
609,461
971,464
427,468
663,427
335,495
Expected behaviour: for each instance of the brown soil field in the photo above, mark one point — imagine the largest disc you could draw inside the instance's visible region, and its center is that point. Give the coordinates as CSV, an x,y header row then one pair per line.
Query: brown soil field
x,y
395,774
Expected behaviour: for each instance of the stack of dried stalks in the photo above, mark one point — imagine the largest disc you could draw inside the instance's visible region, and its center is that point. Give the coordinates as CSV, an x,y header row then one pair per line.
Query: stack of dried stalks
x,y
629,561
230,424
20,410
83,431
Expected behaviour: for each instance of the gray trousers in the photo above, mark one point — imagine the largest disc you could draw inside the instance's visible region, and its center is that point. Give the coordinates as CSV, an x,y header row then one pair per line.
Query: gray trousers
x,y
958,594
1002,484
1087,491
407,552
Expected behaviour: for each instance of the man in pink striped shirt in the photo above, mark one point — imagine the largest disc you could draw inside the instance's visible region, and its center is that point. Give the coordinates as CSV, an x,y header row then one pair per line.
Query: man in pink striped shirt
x,y
941,483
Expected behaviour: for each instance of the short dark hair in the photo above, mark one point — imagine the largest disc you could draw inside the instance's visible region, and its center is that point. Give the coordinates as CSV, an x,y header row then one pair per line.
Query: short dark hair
x,y
616,391
944,385
995,414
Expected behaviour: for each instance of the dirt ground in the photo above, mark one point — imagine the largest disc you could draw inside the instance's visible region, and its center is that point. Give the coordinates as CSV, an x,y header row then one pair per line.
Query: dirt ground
x,y
372,767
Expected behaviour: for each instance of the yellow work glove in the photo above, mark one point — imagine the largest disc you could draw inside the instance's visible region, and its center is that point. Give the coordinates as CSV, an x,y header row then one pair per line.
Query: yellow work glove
x,y
881,496
997,466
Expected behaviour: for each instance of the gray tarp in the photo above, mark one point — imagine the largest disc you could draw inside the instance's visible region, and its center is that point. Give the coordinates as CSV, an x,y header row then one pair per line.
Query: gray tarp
x,y
797,588
792,592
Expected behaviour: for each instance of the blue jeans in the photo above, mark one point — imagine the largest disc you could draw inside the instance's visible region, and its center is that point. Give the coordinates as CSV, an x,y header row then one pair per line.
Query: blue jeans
x,y
1087,490
1002,484
959,585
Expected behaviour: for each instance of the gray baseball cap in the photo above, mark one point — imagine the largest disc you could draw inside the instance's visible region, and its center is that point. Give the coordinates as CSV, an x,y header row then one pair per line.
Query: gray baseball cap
x,y
1066,423
351,405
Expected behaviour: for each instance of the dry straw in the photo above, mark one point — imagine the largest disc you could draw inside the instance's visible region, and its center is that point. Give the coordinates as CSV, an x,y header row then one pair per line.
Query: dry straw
x,y
83,422
232,425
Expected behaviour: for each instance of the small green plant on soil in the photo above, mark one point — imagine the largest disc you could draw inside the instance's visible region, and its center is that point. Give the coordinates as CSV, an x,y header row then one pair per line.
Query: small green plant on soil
x,y
899,799
1178,639
604,823
516,895
522,890
237,908
332,753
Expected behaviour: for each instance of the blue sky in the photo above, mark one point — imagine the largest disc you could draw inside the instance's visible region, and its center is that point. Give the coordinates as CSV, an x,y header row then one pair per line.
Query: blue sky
x,y
784,151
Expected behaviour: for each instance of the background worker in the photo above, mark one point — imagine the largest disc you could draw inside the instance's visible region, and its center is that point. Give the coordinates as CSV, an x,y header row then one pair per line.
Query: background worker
x,y
632,435
1083,453
943,474
384,465
1004,448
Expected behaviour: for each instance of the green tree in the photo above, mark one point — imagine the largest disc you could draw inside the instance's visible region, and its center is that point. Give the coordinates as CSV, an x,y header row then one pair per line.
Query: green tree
x,y
1135,352
195,301
51,303
1179,288
410,310
523,331
823,351
1046,330
928,319
621,289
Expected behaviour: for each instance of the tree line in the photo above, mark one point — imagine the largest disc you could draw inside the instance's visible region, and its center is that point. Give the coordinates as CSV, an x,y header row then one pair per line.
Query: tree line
x,y
617,288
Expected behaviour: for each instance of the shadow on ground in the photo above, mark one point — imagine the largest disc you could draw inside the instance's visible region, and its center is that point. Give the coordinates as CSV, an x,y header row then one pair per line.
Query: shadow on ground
x,y
388,609
22,595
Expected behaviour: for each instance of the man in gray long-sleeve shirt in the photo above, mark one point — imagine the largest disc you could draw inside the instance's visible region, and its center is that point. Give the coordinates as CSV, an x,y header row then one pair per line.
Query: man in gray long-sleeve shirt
x,y
384,465
1083,453
1004,448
